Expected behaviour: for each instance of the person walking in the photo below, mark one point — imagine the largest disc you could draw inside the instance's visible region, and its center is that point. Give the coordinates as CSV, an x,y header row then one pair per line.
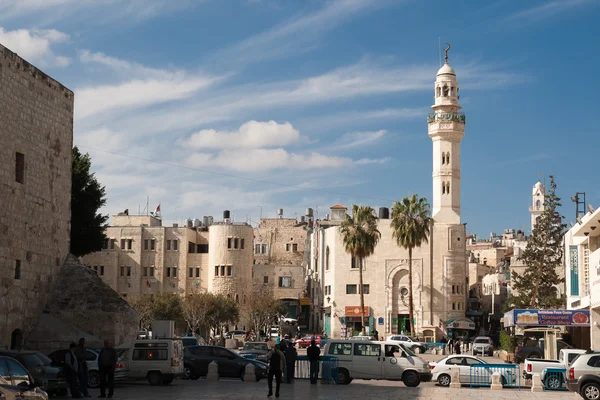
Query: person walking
x,y
457,346
313,352
107,363
450,346
291,355
82,374
276,361
72,371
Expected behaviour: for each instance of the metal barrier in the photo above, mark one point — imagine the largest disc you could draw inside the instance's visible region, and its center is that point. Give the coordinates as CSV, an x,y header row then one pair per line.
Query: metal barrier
x,y
430,346
328,369
481,375
554,378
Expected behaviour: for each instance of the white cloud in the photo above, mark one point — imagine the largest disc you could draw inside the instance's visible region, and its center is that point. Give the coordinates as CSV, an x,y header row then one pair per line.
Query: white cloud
x,y
252,134
548,9
360,139
128,68
369,161
35,46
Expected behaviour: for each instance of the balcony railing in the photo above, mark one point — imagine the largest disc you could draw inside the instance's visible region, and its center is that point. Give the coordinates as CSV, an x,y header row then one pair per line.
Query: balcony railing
x,y
446,116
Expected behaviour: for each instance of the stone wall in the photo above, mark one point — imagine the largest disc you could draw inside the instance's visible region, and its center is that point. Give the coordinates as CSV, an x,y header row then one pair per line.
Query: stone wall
x,y
36,120
80,304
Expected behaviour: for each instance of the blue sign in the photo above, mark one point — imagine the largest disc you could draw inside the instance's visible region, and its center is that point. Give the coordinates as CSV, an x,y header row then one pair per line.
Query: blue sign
x,y
547,318
380,321
574,269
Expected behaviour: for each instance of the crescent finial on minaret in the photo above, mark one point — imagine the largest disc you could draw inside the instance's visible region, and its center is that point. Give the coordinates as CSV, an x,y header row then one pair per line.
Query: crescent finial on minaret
x,y
446,51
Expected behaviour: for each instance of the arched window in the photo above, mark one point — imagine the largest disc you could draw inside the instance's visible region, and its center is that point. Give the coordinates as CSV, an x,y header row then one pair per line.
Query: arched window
x,y
439,91
445,91
447,187
237,298
448,158
443,187
327,258
538,204
443,158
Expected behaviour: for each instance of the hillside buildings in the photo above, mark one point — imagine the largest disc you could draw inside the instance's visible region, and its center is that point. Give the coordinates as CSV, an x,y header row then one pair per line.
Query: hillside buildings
x,y
36,138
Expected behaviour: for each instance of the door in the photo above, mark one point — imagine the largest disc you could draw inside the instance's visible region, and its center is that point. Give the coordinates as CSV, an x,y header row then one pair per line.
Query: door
x,y
391,363
199,358
327,323
227,362
367,361
457,362
403,323
483,375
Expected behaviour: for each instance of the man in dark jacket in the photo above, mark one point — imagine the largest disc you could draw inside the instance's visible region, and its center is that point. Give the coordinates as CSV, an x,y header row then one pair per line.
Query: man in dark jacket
x,y
291,355
276,361
107,363
72,371
82,374
313,352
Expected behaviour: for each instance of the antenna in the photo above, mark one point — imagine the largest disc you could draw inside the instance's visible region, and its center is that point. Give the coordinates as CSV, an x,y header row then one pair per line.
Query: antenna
x,y
440,50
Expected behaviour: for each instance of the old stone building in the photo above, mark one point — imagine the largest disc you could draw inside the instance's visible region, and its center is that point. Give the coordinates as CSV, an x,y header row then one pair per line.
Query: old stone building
x,y
36,137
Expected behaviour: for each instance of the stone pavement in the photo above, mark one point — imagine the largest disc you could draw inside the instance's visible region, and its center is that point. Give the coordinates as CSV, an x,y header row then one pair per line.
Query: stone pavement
x,y
302,390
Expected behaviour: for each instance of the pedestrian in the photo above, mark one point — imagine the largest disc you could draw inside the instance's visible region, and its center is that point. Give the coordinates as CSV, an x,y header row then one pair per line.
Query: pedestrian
x,y
376,335
291,355
82,374
457,346
276,361
298,335
107,363
313,352
450,346
71,371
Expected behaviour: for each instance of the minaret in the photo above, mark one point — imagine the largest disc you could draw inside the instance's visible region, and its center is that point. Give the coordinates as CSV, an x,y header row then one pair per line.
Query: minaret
x,y
446,129
537,204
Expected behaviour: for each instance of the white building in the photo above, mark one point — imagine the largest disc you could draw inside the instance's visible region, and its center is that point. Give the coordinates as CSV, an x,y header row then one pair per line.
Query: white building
x,y
440,281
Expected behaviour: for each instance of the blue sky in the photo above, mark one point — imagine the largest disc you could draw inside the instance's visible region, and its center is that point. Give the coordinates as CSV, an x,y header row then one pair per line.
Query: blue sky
x,y
244,104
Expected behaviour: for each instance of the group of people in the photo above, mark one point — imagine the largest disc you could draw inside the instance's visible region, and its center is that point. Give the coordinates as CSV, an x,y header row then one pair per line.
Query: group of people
x,y
76,369
453,346
282,363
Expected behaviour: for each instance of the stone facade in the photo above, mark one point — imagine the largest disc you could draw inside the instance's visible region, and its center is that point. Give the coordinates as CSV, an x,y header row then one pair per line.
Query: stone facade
x,y
36,138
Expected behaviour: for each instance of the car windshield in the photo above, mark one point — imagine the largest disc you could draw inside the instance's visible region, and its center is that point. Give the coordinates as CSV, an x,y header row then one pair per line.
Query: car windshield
x,y
256,346
30,361
407,350
189,342
45,359
483,340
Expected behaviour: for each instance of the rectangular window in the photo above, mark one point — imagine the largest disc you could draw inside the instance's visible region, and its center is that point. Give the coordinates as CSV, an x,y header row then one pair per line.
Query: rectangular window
x,y
229,242
146,244
129,244
216,270
242,244
112,243
152,244
20,168
222,270
105,245
229,270
264,249
151,271
295,247
197,272
203,248
236,243
175,245
285,281
168,272
174,272
17,269
122,271
191,247
95,268
168,245
366,289
190,272
453,289
145,271
351,289
122,244
338,349
257,249
128,271
265,279
288,247
102,270
368,350
454,306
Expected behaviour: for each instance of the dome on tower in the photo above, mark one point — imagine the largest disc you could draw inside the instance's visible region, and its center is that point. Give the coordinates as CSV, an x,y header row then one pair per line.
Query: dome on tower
x,y
538,188
446,70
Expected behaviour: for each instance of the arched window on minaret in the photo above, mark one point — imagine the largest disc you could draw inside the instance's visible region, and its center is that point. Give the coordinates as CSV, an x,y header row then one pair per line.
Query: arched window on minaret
x,y
538,204
443,187
448,158
447,187
438,91
443,158
452,91
445,91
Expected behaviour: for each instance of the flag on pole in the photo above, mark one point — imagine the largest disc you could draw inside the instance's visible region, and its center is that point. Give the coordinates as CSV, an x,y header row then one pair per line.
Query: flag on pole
x,y
156,211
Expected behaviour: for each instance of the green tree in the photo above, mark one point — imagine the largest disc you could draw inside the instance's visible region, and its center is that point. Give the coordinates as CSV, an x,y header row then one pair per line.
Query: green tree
x,y
143,305
542,257
87,196
167,306
223,311
195,310
264,307
360,236
411,225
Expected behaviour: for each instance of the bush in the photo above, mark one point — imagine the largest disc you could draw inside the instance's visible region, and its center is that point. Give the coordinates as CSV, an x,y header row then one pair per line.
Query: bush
x,y
507,342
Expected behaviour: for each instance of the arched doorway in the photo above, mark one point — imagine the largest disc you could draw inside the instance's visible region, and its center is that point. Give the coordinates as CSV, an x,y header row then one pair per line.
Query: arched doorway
x,y
16,340
399,297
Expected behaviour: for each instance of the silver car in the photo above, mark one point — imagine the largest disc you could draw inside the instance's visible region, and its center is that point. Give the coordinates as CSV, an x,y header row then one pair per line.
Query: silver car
x,y
16,382
483,345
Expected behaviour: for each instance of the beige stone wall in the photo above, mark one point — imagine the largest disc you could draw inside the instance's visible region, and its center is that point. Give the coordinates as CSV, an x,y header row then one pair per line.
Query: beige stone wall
x,y
36,119
135,220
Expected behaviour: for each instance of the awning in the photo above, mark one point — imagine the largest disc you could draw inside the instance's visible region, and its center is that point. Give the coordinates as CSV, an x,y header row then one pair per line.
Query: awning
x,y
460,323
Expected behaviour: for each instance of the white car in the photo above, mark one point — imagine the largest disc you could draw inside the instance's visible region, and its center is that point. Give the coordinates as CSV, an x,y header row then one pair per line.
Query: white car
x,y
407,342
442,370
288,321
483,345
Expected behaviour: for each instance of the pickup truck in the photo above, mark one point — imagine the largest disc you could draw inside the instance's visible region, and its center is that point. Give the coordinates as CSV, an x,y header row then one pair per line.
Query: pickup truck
x,y
553,381
533,350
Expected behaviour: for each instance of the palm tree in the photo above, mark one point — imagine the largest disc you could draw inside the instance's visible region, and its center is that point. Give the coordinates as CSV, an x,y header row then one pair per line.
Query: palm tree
x,y
360,236
411,224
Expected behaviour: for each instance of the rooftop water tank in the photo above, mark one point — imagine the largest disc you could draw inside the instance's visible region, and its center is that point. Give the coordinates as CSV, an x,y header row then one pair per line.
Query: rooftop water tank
x,y
226,215
189,223
384,213
309,212
280,212
196,223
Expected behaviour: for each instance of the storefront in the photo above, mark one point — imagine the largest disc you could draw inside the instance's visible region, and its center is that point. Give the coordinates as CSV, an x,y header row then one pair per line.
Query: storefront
x,y
352,320
460,328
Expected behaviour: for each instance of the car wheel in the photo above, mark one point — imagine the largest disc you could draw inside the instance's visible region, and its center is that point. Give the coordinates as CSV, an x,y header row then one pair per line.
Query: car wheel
x,y
590,391
553,382
343,377
93,379
155,378
411,379
444,380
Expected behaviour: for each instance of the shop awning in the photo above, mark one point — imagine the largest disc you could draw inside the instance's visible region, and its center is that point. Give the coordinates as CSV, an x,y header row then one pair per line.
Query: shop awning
x,y
460,323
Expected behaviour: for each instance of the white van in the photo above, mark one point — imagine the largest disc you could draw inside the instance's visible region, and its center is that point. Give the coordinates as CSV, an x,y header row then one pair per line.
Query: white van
x,y
158,360
377,360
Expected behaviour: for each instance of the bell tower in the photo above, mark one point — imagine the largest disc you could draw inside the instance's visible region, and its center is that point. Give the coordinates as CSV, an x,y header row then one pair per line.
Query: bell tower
x,y
446,128
537,205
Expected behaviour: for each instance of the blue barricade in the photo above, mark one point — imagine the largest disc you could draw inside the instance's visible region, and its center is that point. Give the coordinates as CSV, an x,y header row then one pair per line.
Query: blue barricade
x,y
481,375
435,345
554,378
328,369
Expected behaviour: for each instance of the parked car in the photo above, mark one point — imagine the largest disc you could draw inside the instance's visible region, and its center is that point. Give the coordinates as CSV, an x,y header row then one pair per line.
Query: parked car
x,y
257,349
553,381
17,383
377,360
32,362
483,345
304,341
274,332
407,342
288,321
159,361
58,357
362,338
535,349
188,341
584,375
230,364
238,334
442,369
55,373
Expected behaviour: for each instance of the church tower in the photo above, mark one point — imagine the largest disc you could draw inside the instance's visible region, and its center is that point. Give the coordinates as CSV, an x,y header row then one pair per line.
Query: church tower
x,y
537,204
446,129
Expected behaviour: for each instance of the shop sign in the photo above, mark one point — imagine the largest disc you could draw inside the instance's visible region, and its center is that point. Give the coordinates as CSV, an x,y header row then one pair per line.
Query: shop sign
x,y
380,321
547,318
461,324
354,311
305,302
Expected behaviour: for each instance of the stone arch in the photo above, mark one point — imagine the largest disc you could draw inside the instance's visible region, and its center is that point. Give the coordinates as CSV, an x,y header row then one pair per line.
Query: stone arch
x,y
396,279
16,340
